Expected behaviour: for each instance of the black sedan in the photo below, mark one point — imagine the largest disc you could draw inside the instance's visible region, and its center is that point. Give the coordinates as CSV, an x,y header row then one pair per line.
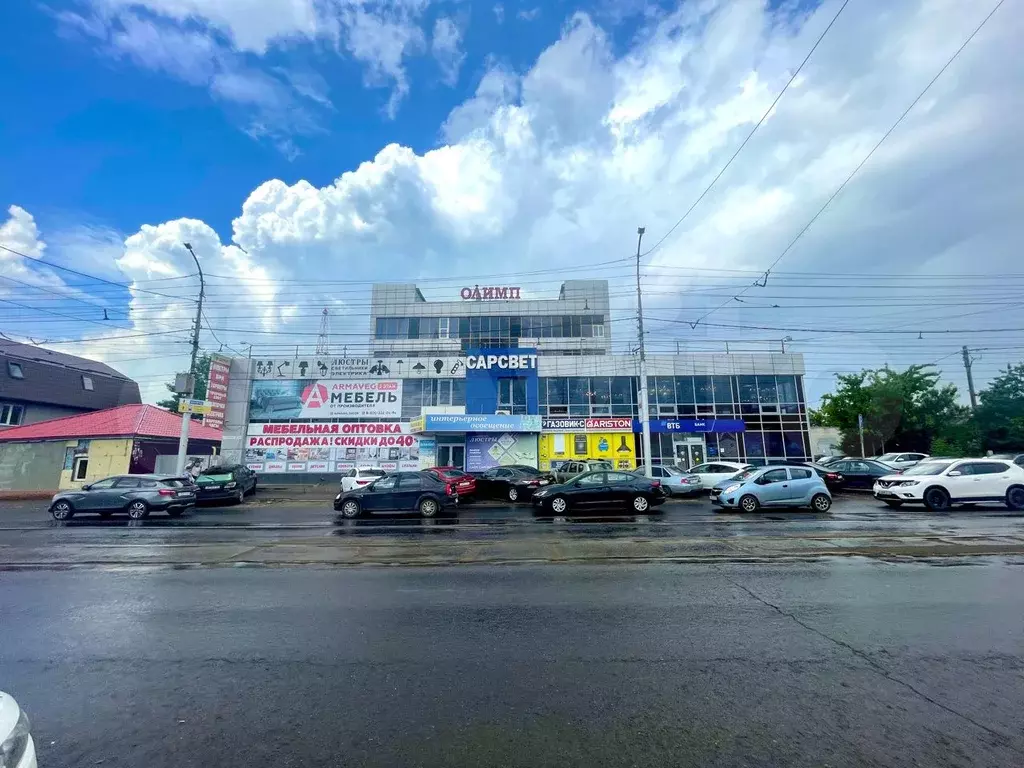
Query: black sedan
x,y
401,492
600,491
508,483
860,473
830,476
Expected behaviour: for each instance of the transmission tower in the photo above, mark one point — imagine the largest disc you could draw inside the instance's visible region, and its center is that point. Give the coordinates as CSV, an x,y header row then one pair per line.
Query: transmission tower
x,y
323,339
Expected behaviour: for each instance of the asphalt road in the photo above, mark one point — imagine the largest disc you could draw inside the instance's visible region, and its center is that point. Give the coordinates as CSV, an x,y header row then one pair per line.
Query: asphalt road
x,y
832,663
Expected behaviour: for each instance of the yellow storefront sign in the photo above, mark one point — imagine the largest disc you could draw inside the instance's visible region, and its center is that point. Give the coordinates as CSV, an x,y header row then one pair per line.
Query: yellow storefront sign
x,y
617,447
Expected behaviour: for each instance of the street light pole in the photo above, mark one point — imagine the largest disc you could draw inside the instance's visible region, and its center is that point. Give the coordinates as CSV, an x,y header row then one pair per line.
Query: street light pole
x,y
186,418
645,419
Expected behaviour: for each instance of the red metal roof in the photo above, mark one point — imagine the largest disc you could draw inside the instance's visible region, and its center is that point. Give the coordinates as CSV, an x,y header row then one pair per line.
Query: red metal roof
x,y
124,421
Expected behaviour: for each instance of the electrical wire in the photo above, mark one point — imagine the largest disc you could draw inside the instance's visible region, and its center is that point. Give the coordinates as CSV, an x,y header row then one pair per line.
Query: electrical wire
x,y
867,157
750,135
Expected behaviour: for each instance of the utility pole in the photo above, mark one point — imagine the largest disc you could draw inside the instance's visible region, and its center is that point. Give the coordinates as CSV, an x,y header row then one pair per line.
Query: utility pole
x,y
968,362
186,418
645,419
323,339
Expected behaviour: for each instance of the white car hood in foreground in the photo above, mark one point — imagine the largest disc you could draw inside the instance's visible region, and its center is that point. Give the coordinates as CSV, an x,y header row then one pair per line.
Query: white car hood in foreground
x,y
9,712
893,478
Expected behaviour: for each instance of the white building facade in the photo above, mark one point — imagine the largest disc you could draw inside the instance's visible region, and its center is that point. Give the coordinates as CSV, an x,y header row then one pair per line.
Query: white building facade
x,y
490,378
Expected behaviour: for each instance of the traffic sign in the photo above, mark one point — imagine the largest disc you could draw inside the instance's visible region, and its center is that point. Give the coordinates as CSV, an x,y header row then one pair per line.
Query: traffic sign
x,y
191,405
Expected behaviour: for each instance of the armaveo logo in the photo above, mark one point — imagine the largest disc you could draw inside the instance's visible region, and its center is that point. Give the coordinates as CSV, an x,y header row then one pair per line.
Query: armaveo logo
x,y
505,362
314,396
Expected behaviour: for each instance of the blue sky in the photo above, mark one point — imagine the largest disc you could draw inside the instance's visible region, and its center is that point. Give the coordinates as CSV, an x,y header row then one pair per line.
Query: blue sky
x,y
306,148
98,135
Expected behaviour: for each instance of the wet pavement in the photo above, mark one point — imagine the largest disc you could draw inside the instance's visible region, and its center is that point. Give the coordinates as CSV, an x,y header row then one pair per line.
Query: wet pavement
x,y
832,663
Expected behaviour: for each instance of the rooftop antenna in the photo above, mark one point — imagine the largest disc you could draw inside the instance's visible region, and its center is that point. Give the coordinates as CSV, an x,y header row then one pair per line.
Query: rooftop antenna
x,y
323,339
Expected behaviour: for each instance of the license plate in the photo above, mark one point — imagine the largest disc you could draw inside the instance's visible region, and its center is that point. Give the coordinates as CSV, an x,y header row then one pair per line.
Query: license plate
x,y
885,493
213,487
184,494
463,485
543,482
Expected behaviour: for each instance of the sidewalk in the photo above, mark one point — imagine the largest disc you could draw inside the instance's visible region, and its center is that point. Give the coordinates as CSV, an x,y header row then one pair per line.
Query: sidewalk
x,y
551,548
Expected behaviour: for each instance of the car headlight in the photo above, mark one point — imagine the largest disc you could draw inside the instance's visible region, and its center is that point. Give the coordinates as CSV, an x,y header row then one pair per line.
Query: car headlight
x,y
732,488
908,482
232,484
338,497
12,749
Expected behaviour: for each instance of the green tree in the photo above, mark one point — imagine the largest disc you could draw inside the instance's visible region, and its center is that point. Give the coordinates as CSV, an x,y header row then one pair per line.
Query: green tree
x,y
1000,415
902,410
202,378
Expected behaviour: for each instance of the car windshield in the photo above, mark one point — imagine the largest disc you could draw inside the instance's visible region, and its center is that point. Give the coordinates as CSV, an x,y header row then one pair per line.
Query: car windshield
x,y
928,468
372,472
746,473
887,457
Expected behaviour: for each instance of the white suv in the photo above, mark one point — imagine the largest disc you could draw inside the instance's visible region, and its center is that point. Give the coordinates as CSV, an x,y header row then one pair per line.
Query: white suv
x,y
360,477
940,484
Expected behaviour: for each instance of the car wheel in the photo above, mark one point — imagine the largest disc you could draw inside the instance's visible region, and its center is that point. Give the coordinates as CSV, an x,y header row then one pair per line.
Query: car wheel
x,y
350,509
254,484
429,508
893,504
640,504
749,503
821,502
513,494
559,505
138,510
1015,498
62,510
241,496
936,499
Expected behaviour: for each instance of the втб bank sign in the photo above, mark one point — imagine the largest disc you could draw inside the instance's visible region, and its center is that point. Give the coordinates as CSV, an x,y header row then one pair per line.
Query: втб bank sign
x,y
334,399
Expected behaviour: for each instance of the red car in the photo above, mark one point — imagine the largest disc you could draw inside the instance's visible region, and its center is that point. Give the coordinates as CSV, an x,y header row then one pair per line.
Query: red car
x,y
465,484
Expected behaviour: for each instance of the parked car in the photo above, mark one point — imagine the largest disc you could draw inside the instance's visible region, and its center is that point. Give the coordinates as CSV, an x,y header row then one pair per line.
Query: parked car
x,y
601,490
526,468
714,472
399,492
788,486
229,481
569,469
826,460
1016,458
465,483
17,750
675,481
940,484
830,475
138,495
357,477
901,460
859,473
508,483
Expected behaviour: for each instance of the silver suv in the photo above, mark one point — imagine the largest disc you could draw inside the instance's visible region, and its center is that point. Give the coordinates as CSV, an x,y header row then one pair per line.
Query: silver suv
x,y
138,495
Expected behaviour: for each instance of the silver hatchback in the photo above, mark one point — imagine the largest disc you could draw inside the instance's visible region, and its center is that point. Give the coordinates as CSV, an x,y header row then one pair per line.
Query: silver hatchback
x,y
138,495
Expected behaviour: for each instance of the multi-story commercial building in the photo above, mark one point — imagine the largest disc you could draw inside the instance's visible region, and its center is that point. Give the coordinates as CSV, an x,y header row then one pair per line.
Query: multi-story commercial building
x,y
492,378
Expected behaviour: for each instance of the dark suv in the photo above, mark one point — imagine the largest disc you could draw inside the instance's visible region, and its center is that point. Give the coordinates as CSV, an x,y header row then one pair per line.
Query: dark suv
x,y
138,495
421,492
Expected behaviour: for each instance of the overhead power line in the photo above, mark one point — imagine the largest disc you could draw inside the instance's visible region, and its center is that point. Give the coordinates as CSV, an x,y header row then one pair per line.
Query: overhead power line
x,y
861,164
126,286
750,135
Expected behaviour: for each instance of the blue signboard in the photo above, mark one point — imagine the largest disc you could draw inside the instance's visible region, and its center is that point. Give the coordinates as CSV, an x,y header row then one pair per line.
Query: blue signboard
x,y
693,425
479,422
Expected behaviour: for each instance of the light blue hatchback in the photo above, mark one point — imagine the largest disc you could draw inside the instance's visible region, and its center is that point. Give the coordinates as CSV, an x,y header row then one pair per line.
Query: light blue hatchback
x,y
774,486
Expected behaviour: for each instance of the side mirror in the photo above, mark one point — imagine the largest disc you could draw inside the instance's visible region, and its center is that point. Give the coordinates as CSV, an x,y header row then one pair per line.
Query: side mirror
x,y
761,481
86,487
955,473
576,484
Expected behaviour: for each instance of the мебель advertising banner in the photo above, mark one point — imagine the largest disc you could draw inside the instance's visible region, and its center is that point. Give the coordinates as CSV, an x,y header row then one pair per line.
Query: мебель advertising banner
x,y
326,399
331,447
